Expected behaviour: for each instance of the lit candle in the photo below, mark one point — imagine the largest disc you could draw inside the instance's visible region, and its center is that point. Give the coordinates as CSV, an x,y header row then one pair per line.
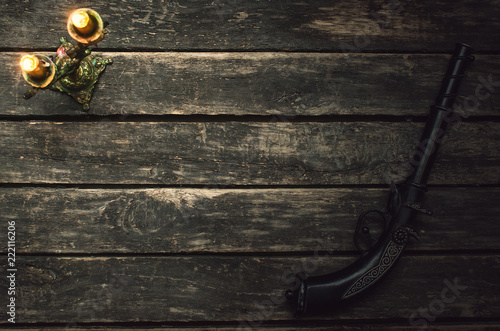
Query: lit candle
x,y
85,26
32,65
82,22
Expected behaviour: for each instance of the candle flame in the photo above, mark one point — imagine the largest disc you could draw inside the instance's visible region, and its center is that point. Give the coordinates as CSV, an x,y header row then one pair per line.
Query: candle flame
x,y
80,19
29,63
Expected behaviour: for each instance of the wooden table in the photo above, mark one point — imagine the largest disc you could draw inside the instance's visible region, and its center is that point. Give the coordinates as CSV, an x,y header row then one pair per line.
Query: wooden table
x,y
233,143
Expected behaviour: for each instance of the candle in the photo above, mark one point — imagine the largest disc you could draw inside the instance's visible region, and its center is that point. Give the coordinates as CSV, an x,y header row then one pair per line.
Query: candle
x,y
82,22
32,65
85,26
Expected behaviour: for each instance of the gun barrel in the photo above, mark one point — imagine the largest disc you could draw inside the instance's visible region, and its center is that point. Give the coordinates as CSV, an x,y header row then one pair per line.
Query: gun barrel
x,y
441,113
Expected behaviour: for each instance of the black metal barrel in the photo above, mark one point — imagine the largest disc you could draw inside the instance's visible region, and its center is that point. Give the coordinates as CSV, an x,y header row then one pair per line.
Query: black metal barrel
x,y
440,115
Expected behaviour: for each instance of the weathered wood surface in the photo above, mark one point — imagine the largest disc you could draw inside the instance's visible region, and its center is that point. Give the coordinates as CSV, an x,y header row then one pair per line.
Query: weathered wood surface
x,y
89,221
148,252
287,84
382,25
238,153
337,326
240,289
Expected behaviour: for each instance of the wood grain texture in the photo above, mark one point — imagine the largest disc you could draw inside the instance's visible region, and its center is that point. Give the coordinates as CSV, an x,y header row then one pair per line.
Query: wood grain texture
x,y
88,221
239,289
282,84
338,326
234,153
233,144
324,25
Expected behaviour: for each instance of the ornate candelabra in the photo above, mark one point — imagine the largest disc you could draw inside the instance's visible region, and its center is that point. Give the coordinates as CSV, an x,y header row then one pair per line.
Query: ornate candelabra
x,y
74,70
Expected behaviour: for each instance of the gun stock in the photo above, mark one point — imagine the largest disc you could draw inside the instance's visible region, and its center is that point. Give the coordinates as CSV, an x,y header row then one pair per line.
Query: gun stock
x,y
325,292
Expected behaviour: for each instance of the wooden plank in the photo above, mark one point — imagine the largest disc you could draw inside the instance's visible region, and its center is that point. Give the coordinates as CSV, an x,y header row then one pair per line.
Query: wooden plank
x,y
240,289
89,221
285,84
320,25
238,153
469,326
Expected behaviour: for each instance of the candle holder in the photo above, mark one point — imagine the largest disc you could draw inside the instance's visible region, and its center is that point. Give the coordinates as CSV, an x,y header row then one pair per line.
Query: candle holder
x,y
74,70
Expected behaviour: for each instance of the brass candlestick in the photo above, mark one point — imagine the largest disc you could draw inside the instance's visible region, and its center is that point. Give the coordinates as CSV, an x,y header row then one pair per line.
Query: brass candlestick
x,y
74,70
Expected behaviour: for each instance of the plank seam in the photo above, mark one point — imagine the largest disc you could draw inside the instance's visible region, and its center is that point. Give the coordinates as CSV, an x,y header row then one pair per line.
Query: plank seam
x,y
298,254
440,321
89,186
136,118
256,50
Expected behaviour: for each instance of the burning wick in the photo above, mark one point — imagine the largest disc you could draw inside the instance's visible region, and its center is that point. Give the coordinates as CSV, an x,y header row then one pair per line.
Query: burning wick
x,y
82,22
31,64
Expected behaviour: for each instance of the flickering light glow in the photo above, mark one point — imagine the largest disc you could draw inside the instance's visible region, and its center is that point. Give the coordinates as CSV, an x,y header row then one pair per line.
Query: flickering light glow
x,y
33,66
82,22
29,63
80,19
